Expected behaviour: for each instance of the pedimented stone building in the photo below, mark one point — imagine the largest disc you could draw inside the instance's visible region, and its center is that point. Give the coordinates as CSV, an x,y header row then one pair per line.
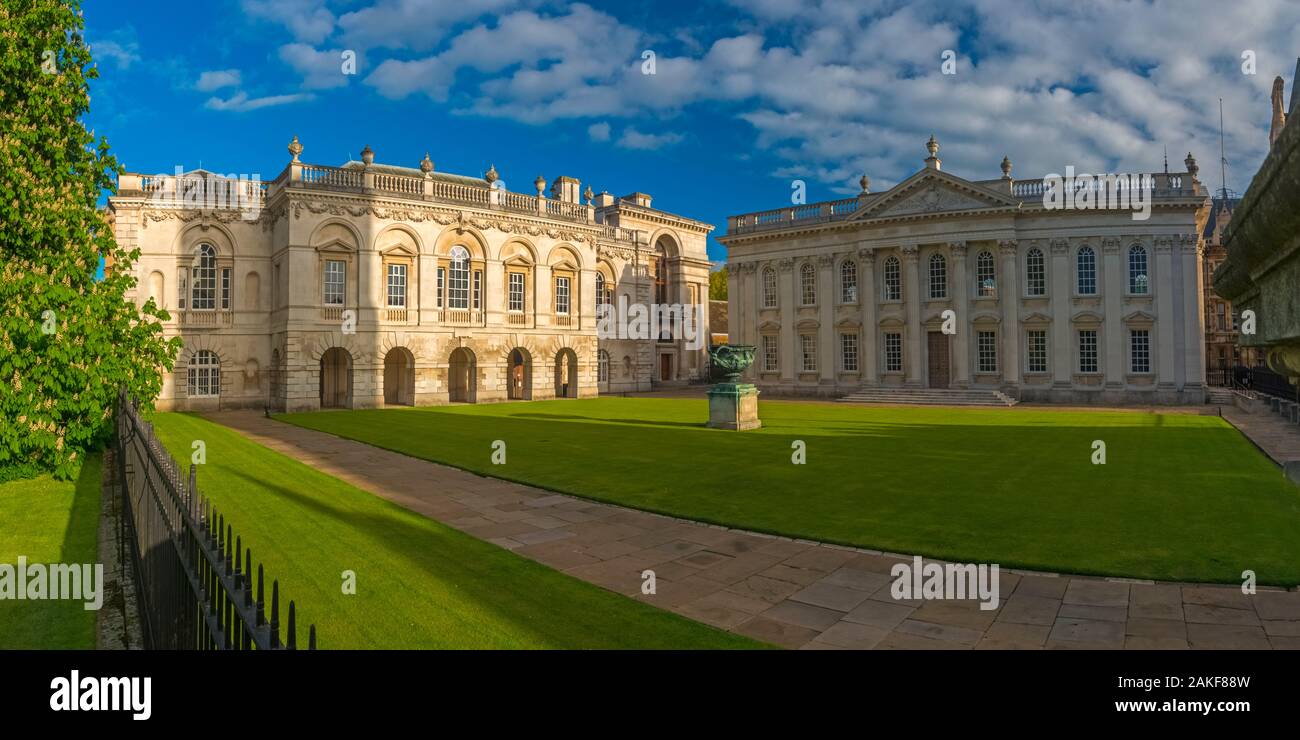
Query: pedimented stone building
x,y
1064,305
369,285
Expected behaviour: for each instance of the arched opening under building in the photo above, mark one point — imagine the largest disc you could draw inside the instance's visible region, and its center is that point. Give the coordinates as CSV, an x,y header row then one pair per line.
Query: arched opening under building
x,y
336,379
461,370
566,374
399,377
519,375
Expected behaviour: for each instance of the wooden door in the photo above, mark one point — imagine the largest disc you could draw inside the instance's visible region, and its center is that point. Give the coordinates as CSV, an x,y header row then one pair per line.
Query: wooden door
x,y
665,367
939,364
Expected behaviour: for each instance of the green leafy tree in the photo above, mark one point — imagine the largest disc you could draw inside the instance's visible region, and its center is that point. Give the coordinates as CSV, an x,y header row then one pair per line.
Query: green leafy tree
x,y
718,284
68,341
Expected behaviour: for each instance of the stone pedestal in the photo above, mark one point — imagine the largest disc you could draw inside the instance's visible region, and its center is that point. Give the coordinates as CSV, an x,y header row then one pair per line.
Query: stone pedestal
x,y
734,406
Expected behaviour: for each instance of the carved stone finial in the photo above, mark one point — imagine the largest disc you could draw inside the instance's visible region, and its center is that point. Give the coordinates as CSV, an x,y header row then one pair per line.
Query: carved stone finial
x,y
932,146
865,182
588,194
1006,168
426,164
491,175
295,148
1192,167
540,184
368,155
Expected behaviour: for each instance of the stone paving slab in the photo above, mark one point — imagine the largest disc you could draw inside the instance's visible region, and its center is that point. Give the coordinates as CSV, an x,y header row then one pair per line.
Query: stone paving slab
x,y
791,593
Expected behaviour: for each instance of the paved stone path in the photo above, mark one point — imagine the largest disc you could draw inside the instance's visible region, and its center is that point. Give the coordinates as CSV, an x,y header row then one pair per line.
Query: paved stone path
x,y
1278,438
794,593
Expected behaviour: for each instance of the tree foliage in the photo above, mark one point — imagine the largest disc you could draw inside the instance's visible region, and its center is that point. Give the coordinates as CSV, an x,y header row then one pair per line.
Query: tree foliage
x,y
68,340
718,284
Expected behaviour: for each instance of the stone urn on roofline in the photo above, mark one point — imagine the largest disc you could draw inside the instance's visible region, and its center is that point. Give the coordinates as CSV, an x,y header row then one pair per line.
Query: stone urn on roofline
x,y
732,404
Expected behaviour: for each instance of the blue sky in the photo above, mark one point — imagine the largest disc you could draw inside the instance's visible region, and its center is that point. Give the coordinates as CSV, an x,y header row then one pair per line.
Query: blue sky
x,y
746,96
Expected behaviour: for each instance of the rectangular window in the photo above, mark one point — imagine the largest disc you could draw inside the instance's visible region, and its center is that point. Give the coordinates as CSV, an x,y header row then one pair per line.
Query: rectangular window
x,y
849,353
986,351
808,352
769,353
893,353
1087,350
561,295
442,281
183,289
397,286
1036,339
335,282
1236,320
478,289
1139,350
225,288
516,291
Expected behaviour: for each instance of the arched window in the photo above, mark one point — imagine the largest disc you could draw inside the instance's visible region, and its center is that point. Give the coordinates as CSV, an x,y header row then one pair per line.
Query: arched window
x,y
600,289
848,281
893,280
203,278
807,284
1086,269
458,279
769,288
204,374
938,276
986,276
1137,270
602,367
1035,273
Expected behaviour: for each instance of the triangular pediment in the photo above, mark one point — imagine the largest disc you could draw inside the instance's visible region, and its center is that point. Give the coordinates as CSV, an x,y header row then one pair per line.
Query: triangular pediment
x,y
933,192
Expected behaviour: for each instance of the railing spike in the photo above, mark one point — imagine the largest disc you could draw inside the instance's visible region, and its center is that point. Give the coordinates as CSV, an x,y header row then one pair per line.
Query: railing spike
x,y
311,638
275,614
261,600
292,643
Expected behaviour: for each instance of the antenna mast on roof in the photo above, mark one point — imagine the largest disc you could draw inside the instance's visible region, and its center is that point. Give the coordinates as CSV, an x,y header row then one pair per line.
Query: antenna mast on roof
x,y
1223,159
1166,159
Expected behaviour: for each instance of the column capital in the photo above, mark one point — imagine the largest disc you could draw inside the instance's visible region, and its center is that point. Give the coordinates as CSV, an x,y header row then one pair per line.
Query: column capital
x,y
826,260
785,264
911,252
1060,246
746,266
1110,245
1007,247
868,256
957,248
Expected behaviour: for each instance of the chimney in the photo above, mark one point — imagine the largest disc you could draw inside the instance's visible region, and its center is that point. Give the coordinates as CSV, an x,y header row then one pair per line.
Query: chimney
x,y
566,189
638,199
603,200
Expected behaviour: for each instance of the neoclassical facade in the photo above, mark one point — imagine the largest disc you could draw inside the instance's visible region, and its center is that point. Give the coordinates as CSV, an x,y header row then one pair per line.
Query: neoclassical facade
x,y
369,285
1067,305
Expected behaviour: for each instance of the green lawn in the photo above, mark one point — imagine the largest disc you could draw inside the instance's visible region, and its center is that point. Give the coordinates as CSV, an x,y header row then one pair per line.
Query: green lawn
x,y
1181,497
420,584
49,521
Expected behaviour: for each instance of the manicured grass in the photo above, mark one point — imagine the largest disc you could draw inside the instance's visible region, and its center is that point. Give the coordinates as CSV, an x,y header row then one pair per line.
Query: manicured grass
x,y
1181,497
49,521
419,583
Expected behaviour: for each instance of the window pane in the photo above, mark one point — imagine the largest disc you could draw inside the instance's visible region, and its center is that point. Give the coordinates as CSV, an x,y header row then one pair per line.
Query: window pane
x,y
516,291
849,353
335,282
562,295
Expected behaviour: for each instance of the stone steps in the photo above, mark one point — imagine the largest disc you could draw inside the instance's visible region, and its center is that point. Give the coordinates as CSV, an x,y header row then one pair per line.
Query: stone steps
x,y
1219,396
930,397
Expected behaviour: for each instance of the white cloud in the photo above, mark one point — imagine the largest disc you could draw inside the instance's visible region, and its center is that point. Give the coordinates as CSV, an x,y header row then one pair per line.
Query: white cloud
x,y
633,139
217,79
598,131
122,53
320,70
240,102
309,21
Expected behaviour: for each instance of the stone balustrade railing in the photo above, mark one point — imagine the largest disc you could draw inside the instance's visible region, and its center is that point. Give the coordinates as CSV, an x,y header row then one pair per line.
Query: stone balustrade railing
x,y
353,180
1161,184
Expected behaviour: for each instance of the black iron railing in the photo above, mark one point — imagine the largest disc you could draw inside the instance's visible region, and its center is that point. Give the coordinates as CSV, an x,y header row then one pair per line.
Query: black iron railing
x,y
194,578
1259,380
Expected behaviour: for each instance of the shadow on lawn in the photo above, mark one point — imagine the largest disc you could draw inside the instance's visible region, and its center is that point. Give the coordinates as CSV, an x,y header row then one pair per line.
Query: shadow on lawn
x,y
448,556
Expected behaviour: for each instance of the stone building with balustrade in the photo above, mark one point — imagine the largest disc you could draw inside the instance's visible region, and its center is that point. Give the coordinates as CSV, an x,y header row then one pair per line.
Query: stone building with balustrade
x,y
368,285
1069,305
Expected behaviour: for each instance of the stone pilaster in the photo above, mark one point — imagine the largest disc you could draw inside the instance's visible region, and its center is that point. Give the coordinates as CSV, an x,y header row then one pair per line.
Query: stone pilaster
x,y
959,282
1114,285
912,310
827,340
785,279
1010,292
1061,349
1192,251
1166,328
868,295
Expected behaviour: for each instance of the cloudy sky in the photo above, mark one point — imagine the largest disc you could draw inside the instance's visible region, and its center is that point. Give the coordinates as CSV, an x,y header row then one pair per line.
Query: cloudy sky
x,y
745,96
